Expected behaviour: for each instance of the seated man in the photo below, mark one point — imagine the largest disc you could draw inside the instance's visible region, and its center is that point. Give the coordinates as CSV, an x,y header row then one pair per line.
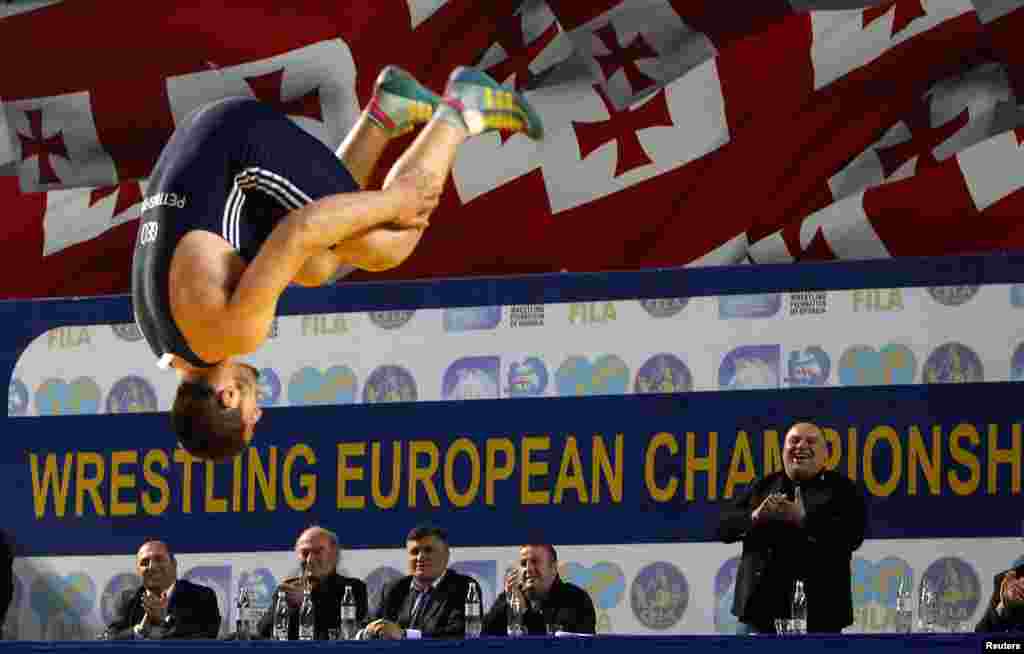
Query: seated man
x,y
431,601
317,549
242,203
164,606
549,604
1006,608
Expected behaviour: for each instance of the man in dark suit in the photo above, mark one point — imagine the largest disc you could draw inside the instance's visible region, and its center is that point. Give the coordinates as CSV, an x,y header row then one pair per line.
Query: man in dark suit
x,y
547,602
6,578
317,550
1006,608
431,601
164,606
802,523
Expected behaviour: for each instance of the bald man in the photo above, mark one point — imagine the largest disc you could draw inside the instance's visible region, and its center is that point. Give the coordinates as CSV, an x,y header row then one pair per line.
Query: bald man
x,y
318,551
803,522
163,607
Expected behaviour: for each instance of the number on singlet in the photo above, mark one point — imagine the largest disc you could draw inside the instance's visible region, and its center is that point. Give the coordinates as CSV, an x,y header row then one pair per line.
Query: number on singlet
x,y
147,232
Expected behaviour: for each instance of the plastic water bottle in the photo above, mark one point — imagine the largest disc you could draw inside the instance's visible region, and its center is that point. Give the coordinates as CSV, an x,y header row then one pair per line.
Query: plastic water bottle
x,y
474,617
928,609
242,614
347,622
515,615
307,617
904,612
281,618
798,613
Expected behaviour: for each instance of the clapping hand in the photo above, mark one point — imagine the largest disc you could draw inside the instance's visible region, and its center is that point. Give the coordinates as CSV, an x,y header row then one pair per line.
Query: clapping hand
x,y
155,606
778,507
1011,591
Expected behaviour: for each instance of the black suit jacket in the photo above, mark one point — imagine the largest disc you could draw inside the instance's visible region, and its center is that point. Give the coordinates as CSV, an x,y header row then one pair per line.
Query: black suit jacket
x,y
445,614
6,577
327,598
567,607
819,551
1010,620
192,612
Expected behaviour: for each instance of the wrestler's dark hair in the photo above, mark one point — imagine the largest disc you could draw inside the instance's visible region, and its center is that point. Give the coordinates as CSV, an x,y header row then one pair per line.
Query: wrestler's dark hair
x,y
204,427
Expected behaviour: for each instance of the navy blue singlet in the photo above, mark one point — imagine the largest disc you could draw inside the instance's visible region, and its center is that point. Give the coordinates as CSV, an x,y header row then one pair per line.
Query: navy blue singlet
x,y
235,168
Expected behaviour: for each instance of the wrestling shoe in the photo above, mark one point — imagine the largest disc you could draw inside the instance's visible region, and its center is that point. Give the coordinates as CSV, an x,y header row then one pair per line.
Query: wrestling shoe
x,y
399,102
486,106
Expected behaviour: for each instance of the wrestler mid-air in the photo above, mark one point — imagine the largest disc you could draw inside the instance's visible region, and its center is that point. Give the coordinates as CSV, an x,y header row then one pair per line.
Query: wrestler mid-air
x,y
242,202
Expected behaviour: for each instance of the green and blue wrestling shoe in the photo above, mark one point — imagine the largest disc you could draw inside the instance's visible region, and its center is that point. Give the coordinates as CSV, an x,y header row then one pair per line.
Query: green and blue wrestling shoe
x,y
486,105
399,102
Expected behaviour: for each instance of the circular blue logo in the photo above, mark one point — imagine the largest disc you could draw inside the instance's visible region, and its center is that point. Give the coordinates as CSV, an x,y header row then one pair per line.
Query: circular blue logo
x,y
17,398
955,586
390,319
269,390
131,394
953,363
527,377
750,367
663,373
953,296
117,585
308,386
127,331
664,307
808,367
58,397
659,595
725,591
389,384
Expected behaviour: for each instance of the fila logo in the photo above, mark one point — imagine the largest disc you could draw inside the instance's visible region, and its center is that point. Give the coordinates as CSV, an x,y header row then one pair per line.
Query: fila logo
x,y
147,232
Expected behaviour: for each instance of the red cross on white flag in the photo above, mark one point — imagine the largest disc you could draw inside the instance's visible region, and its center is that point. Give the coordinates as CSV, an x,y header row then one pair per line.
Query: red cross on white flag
x,y
314,86
637,46
953,115
56,144
591,149
529,43
847,40
76,215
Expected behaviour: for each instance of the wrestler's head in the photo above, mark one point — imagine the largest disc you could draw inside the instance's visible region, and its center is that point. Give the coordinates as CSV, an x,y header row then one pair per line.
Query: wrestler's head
x,y
215,410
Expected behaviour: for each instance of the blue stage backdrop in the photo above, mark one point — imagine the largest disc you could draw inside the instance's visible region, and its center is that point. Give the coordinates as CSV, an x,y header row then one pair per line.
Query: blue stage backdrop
x,y
504,444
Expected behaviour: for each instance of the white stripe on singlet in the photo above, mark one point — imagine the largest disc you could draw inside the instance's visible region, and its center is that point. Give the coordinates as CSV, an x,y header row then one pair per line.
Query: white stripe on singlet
x,y
287,194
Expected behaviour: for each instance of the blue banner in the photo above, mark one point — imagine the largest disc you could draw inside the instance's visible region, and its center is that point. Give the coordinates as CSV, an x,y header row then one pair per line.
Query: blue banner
x,y
637,469
934,459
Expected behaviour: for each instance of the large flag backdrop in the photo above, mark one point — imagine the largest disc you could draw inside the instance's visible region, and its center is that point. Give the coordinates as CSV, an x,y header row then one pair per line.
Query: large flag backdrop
x,y
679,132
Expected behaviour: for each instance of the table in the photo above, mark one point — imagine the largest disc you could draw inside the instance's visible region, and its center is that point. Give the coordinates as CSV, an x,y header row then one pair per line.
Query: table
x,y
857,644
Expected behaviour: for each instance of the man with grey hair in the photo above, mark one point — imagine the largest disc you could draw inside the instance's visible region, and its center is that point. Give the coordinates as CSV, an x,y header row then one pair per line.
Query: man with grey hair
x,y
803,522
317,550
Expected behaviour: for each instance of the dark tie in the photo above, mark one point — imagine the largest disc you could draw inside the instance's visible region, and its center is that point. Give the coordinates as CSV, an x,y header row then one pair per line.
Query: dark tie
x,y
418,607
